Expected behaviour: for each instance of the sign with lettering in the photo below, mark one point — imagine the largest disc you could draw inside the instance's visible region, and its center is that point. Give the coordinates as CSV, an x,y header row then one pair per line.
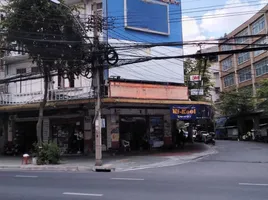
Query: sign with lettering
x,y
191,112
197,92
195,78
185,112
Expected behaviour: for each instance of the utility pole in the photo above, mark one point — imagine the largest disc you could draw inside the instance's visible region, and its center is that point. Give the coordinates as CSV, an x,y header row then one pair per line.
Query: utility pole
x,y
96,77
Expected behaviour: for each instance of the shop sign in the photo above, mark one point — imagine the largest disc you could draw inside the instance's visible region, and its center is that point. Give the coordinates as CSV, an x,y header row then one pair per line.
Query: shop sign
x,y
195,78
183,112
191,112
197,92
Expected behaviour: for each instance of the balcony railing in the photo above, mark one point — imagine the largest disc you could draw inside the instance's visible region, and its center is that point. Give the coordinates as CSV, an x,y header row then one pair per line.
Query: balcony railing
x,y
65,94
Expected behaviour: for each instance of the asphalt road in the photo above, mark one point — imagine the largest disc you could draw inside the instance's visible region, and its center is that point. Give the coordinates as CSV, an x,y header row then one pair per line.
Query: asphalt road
x,y
239,171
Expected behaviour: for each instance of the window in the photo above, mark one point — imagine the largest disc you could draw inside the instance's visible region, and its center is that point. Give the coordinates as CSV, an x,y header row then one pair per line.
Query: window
x,y
35,70
228,80
258,26
242,33
21,71
242,57
261,67
226,47
261,41
244,74
227,63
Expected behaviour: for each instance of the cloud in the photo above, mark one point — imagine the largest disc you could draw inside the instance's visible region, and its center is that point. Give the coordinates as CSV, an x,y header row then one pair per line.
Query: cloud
x,y
191,31
234,13
215,23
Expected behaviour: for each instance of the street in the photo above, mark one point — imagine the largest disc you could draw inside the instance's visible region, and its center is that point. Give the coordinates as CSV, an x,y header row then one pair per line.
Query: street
x,y
238,171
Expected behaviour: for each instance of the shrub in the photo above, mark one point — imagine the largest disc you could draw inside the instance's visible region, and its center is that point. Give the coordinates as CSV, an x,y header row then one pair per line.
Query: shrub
x,y
47,153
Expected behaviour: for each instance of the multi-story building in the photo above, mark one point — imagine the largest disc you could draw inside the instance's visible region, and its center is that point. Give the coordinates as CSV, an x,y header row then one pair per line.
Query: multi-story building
x,y
245,69
138,98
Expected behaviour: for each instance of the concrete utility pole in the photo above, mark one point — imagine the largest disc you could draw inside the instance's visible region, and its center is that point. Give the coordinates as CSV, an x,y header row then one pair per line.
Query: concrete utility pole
x,y
96,77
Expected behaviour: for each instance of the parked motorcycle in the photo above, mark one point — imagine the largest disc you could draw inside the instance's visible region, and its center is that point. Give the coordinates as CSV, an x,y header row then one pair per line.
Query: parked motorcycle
x,y
210,139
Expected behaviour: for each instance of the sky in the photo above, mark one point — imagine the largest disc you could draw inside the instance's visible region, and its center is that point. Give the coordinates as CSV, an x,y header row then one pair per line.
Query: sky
x,y
210,19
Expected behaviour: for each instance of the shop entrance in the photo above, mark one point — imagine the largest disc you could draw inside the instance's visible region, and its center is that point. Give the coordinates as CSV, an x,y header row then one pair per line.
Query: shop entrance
x,y
68,134
133,129
25,136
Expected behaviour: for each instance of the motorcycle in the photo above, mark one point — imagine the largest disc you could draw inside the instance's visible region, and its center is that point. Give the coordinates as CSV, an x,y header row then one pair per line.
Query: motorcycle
x,y
210,139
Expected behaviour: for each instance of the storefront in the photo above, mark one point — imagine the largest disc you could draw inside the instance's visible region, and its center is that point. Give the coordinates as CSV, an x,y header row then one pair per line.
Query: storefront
x,y
199,117
68,134
143,132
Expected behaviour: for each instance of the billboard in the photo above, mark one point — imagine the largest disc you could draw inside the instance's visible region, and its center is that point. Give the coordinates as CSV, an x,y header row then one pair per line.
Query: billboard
x,y
146,21
190,112
140,14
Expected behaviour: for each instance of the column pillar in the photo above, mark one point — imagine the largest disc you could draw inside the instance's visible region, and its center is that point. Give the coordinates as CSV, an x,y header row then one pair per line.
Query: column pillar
x,y
167,131
46,129
114,130
88,141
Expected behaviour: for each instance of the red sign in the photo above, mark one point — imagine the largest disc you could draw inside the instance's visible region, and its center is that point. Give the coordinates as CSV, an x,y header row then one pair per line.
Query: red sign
x,y
195,78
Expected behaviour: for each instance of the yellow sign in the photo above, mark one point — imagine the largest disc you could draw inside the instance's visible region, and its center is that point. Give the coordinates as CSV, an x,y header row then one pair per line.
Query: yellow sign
x,y
184,111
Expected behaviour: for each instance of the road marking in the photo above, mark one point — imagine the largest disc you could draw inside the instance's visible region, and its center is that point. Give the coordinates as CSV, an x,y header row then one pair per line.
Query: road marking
x,y
82,194
128,179
25,176
254,184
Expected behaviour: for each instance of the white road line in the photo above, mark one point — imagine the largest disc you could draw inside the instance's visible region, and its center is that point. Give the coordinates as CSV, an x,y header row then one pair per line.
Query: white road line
x,y
25,176
128,179
254,184
82,194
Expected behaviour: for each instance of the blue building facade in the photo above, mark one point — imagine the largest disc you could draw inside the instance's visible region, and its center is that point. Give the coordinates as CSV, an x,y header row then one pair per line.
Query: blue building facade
x,y
147,21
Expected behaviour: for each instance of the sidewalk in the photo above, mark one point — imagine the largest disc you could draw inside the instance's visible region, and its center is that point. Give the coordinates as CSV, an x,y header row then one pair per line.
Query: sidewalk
x,y
118,163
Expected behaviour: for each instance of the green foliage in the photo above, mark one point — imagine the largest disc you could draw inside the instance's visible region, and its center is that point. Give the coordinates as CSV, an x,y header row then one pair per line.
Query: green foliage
x,y
195,67
47,153
47,31
262,95
236,102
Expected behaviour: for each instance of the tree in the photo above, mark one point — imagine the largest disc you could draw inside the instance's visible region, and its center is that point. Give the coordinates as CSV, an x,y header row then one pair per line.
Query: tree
x,y
262,95
237,104
196,67
49,33
234,102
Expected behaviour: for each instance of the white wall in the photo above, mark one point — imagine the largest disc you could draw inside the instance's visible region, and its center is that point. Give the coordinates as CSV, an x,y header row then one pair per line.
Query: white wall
x,y
170,70
37,85
215,79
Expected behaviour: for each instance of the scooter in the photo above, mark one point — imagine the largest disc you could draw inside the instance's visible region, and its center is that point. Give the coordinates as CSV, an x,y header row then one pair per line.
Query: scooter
x,y
210,139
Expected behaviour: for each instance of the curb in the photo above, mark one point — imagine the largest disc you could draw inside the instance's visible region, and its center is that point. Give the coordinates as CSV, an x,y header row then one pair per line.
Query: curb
x,y
47,168
104,168
110,167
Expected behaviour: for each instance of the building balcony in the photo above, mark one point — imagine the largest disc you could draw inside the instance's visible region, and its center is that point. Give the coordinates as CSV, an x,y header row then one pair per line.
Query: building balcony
x,y
65,94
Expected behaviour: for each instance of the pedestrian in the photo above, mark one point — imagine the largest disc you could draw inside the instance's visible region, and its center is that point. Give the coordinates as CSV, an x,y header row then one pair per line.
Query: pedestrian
x,y
182,138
